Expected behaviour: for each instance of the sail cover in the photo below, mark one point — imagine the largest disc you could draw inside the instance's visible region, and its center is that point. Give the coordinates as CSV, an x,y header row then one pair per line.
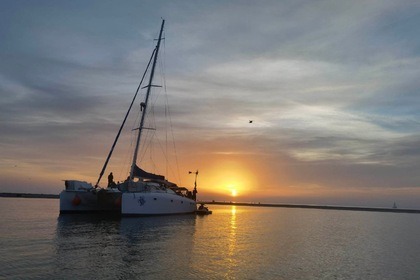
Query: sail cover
x,y
140,173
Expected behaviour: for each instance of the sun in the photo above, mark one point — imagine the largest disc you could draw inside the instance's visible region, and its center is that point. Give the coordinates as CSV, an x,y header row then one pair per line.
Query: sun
x,y
230,178
232,188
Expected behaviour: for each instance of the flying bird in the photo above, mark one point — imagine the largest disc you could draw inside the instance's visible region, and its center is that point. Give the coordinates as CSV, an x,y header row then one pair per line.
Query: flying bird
x,y
250,121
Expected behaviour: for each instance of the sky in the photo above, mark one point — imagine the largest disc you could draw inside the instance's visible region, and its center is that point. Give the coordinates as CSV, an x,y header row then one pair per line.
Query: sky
x,y
331,87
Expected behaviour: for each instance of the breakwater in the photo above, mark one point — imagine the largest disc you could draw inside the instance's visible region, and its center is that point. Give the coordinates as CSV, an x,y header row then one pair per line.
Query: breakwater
x,y
29,195
308,206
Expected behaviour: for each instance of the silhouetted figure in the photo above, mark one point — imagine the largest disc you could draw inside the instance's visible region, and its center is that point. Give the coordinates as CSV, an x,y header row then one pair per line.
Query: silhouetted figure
x,y
110,180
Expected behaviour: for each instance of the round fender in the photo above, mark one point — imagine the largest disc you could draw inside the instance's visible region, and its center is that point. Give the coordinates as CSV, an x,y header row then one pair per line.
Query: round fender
x,y
76,200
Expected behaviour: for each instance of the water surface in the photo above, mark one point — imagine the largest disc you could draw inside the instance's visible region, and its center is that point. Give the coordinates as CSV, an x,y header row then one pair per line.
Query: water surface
x,y
233,243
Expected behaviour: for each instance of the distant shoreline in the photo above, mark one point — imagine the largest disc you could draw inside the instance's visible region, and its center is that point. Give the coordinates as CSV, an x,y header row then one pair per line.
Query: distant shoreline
x,y
252,204
29,195
324,207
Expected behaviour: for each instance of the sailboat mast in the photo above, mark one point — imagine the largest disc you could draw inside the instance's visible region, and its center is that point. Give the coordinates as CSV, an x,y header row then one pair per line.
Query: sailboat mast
x,y
144,106
123,123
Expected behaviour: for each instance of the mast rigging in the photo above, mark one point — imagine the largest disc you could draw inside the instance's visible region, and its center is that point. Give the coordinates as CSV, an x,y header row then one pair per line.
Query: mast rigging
x,y
149,86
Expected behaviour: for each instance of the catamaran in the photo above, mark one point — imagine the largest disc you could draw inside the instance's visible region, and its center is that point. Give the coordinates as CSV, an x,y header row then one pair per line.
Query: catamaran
x,y
142,193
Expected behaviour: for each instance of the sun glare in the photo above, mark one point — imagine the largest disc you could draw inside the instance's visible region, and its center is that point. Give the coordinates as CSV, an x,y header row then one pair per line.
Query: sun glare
x,y
234,193
231,179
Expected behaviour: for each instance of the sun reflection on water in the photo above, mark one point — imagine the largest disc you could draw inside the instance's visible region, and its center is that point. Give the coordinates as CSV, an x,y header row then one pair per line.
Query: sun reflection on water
x,y
233,211
232,242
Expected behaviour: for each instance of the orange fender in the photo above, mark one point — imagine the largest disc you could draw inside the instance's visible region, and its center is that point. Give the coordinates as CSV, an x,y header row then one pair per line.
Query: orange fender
x,y
76,200
117,202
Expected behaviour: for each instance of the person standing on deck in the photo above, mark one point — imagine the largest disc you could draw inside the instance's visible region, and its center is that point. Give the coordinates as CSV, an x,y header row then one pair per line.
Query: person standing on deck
x,y
110,180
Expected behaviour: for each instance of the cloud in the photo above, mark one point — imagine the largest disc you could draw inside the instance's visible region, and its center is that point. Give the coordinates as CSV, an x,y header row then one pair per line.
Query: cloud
x,y
331,88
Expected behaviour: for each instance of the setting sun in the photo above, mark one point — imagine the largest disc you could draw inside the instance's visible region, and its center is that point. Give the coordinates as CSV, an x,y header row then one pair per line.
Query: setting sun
x,y
229,178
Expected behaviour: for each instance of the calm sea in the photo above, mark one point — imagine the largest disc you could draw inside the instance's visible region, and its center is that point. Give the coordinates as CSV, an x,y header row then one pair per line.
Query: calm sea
x,y
233,243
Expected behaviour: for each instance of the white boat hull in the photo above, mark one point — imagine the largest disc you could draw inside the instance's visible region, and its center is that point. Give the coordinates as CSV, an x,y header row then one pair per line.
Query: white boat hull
x,y
88,201
153,203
